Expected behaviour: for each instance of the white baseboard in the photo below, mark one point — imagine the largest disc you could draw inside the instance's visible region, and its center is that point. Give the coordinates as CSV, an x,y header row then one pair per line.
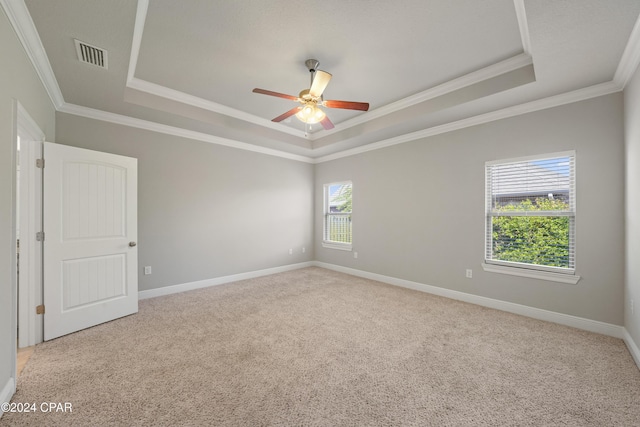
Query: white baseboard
x,y
523,310
632,346
7,392
536,313
174,289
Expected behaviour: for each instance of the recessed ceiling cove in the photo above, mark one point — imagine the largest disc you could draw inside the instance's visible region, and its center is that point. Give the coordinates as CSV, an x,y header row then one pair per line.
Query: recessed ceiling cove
x,y
379,52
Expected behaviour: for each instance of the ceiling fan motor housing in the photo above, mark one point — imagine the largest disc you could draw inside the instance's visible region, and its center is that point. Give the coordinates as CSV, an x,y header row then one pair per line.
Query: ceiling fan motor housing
x,y
305,95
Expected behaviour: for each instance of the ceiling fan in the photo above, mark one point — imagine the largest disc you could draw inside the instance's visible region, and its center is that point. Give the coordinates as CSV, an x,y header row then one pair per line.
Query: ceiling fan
x,y
311,100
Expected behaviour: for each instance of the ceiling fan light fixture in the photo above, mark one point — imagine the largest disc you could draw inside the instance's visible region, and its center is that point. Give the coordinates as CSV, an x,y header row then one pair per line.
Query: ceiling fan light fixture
x,y
310,114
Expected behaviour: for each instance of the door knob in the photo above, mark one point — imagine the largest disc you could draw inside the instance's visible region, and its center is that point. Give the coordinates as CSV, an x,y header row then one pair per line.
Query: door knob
x,y
132,244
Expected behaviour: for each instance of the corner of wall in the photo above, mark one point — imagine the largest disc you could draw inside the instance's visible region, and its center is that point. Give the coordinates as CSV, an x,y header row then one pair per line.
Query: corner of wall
x,y
633,347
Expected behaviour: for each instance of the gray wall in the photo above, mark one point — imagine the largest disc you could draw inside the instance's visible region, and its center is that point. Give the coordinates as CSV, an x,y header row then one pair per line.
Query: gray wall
x,y
418,207
18,81
204,210
632,184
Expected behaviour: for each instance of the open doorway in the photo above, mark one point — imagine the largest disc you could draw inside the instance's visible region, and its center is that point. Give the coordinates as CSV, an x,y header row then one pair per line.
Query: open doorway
x,y
28,247
25,350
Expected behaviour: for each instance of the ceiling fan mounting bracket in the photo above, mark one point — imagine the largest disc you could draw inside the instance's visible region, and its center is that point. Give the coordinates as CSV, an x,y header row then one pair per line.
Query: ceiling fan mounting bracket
x,y
312,64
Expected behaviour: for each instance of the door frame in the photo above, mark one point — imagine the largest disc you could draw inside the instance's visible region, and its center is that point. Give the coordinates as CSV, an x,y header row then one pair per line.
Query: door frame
x,y
29,289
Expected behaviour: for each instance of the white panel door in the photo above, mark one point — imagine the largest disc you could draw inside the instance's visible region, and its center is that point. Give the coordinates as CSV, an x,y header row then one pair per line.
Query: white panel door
x,y
90,225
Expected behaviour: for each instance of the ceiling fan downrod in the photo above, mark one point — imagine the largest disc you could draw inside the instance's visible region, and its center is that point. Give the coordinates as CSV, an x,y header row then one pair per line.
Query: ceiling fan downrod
x,y
312,66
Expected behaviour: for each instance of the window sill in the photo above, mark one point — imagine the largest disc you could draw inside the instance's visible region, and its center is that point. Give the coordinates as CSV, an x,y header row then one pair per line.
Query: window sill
x,y
532,274
339,246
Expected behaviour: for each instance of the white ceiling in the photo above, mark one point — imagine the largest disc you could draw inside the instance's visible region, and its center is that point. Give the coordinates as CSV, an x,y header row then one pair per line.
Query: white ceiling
x,y
188,67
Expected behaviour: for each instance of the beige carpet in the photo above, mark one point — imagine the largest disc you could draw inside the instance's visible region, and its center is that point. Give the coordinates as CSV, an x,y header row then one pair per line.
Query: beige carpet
x,y
320,348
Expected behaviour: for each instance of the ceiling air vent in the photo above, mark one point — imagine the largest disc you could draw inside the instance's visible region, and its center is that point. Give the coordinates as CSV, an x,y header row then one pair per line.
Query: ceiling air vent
x,y
91,54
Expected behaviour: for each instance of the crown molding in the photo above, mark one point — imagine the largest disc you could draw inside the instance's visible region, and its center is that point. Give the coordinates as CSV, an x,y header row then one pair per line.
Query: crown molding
x,y
601,89
138,29
523,25
630,58
25,29
516,110
184,98
502,67
120,119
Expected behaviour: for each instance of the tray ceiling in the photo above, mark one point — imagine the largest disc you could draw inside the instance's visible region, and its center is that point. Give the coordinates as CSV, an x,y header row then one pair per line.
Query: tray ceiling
x,y
191,66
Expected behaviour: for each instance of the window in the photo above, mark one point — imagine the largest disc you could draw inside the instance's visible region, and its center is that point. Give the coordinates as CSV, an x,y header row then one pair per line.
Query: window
x,y
530,213
337,215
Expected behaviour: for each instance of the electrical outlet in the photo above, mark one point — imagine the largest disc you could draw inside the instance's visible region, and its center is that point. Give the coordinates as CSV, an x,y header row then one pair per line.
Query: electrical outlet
x,y
631,306
304,250
147,270
290,251
355,254
469,273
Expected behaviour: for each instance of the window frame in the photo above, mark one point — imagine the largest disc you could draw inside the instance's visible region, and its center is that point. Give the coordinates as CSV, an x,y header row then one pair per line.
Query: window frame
x,y
332,244
553,273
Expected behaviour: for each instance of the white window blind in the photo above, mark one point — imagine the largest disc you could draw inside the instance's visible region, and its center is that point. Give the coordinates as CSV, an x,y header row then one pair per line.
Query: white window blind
x,y
530,212
337,215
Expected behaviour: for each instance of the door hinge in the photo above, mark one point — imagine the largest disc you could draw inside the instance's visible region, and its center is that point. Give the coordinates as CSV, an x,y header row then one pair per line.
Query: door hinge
x,y
40,163
40,309
40,236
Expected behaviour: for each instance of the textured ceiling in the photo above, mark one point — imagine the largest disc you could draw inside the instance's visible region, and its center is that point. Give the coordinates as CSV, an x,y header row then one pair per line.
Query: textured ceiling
x,y
425,63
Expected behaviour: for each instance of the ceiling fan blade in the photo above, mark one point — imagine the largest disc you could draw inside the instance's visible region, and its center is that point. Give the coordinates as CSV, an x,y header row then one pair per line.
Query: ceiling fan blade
x,y
289,113
272,93
347,105
326,123
320,82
